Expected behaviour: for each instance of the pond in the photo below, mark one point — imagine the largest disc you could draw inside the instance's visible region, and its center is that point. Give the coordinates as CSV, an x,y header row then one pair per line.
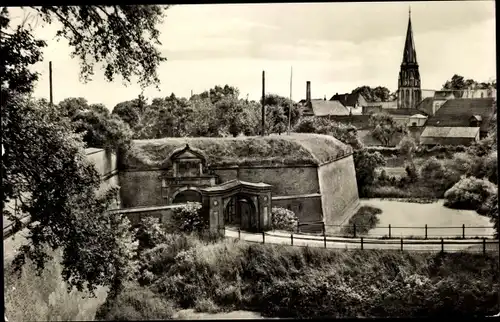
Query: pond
x,y
409,219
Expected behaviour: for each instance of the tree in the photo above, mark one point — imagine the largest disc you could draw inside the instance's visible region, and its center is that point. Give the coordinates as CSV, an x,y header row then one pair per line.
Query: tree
x,y
218,93
58,189
407,147
377,94
385,128
128,111
123,38
365,163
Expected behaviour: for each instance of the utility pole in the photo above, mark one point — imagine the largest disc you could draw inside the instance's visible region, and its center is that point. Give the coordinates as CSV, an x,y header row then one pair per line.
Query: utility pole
x,y
262,133
50,84
291,103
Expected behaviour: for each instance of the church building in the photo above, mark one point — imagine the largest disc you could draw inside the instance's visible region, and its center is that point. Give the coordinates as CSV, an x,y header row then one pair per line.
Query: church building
x,y
409,91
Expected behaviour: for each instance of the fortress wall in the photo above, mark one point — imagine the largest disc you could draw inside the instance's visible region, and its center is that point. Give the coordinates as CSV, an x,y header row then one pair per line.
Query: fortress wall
x,y
140,188
339,191
290,180
143,188
306,207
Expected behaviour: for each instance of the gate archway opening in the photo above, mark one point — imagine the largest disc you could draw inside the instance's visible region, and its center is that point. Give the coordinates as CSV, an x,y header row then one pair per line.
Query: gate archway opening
x,y
189,195
241,212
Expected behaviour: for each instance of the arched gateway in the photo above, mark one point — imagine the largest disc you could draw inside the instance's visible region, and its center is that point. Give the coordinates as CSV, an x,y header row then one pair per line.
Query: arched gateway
x,y
245,205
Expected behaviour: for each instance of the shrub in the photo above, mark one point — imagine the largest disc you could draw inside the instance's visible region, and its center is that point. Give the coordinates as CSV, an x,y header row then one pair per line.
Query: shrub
x,y
411,172
188,218
136,303
469,193
364,220
283,219
206,305
365,163
149,233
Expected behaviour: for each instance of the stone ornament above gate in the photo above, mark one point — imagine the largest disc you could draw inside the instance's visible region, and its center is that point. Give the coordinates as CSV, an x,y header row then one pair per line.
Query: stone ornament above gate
x,y
187,162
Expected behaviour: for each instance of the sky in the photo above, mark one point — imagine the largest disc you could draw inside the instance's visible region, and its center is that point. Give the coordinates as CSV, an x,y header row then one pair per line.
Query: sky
x,y
336,46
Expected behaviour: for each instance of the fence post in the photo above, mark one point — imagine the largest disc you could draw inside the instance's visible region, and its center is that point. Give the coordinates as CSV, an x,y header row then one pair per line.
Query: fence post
x,y
291,238
361,243
298,227
425,231
263,237
463,231
324,239
442,245
239,233
484,246
324,229
401,244
389,231
354,230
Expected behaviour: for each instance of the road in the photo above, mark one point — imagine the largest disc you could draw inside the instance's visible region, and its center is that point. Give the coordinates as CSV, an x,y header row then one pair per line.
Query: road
x,y
368,243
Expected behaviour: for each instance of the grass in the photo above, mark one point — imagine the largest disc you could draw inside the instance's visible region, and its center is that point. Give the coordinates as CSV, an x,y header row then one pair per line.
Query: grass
x,y
285,281
44,297
413,191
364,220
274,149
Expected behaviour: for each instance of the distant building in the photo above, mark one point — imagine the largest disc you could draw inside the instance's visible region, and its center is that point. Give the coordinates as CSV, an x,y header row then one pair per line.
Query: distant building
x,y
354,102
465,112
480,92
432,136
322,107
409,92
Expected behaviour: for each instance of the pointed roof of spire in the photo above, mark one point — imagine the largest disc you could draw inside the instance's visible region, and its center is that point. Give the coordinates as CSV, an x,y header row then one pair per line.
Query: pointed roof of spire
x,y
409,54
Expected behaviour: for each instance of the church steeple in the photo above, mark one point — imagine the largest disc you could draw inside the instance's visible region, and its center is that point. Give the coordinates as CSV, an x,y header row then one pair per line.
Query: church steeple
x,y
409,54
409,93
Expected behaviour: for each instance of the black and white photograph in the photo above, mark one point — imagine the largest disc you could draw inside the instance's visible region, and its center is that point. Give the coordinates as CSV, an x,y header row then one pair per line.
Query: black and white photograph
x,y
235,161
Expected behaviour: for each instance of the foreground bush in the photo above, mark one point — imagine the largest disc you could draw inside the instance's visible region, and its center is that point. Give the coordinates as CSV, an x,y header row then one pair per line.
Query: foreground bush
x,y
364,220
283,219
284,281
469,193
188,218
136,303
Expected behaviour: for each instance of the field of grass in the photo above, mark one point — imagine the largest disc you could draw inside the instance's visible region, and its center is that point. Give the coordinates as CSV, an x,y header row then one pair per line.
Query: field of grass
x,y
284,281
298,148
435,214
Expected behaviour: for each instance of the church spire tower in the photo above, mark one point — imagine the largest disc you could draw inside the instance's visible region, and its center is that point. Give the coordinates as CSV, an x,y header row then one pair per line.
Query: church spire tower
x,y
409,92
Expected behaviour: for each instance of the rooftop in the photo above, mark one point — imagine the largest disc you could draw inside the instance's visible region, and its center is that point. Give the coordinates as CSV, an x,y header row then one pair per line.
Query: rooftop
x,y
458,112
321,108
451,132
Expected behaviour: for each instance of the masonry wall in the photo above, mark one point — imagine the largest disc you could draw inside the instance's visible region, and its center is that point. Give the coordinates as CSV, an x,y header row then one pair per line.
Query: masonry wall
x,y
105,163
143,188
140,188
339,191
307,208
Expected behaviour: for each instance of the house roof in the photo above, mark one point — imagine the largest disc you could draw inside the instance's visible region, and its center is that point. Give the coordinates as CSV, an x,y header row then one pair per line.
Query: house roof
x,y
457,112
449,132
349,99
440,95
426,105
402,111
419,116
322,107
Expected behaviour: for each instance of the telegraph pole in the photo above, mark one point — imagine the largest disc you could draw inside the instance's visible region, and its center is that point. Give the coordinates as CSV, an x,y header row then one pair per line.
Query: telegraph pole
x,y
263,103
50,84
291,103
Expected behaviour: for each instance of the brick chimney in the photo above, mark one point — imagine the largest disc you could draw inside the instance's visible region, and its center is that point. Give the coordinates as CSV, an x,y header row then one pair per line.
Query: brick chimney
x,y
308,92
